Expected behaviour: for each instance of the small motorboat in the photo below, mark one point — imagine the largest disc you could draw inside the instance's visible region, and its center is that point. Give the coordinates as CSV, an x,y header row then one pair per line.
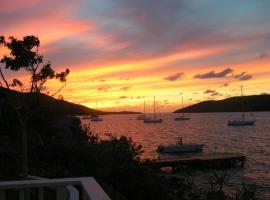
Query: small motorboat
x,y
241,122
179,147
96,118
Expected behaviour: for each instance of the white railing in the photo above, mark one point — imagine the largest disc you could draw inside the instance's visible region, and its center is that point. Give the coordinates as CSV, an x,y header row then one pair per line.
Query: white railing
x,y
91,190
73,193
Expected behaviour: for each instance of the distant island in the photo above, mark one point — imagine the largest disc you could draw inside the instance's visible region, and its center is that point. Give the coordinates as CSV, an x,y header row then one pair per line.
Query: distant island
x,y
46,102
232,104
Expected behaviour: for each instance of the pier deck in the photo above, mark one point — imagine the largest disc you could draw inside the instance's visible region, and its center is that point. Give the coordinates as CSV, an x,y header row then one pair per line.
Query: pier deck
x,y
218,160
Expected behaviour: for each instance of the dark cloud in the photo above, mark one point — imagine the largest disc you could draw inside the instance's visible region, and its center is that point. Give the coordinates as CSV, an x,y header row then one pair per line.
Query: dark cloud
x,y
243,76
214,74
123,97
139,97
174,77
263,55
209,91
104,88
225,85
223,74
166,101
216,94
125,88
212,92
125,79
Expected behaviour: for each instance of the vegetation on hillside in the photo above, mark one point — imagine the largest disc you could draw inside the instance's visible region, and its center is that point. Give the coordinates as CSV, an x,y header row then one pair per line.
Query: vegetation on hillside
x,y
232,104
36,101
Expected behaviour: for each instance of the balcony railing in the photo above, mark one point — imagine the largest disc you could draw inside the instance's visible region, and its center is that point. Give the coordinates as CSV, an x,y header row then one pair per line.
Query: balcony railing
x,y
64,188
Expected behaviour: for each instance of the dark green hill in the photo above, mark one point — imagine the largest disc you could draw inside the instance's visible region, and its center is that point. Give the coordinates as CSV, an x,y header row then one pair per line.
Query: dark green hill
x,y
232,104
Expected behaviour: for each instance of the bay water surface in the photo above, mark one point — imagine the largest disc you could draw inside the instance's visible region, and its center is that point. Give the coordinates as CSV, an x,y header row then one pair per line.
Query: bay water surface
x,y
209,129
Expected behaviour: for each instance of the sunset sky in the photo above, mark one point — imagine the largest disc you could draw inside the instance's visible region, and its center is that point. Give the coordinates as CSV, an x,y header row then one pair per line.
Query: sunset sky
x,y
121,52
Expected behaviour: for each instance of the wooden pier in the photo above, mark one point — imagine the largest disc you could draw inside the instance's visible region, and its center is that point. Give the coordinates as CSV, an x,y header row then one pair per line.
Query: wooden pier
x,y
218,160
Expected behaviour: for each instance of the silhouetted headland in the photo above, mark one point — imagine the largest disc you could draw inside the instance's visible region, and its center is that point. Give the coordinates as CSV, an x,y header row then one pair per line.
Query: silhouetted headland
x,y
232,104
46,102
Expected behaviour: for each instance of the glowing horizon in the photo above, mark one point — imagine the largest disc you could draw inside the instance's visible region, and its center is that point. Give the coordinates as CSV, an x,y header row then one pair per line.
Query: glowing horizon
x,y
121,53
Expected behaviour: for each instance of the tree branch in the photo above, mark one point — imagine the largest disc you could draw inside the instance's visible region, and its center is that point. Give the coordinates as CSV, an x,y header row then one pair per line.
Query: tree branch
x,y
2,75
59,89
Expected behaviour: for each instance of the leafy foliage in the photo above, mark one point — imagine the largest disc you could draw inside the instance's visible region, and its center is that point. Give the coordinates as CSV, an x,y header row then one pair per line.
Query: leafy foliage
x,y
246,192
16,83
24,54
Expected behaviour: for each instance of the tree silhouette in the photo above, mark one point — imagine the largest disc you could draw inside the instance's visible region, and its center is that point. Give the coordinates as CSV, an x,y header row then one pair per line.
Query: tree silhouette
x,y
2,41
17,83
24,54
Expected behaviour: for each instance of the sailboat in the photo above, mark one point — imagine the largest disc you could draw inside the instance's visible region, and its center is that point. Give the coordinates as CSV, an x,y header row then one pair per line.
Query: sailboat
x,y
143,116
96,118
182,117
154,119
242,121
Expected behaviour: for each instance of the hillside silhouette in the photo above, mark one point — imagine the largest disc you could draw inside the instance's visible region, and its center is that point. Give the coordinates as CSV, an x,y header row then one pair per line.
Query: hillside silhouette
x,y
48,103
232,104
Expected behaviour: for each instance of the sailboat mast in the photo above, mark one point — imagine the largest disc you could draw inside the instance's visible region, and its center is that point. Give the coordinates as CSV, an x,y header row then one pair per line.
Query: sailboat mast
x,y
154,107
243,111
144,106
182,105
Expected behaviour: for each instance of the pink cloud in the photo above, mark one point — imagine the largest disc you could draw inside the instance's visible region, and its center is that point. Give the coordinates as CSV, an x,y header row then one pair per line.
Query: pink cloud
x,y
11,6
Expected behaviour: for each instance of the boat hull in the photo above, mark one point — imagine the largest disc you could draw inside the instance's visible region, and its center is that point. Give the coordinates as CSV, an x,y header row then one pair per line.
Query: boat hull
x,y
241,123
176,149
149,120
96,120
181,118
86,117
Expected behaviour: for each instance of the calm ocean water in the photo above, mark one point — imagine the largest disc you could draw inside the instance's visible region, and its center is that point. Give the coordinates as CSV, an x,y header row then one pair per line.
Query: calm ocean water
x,y
208,128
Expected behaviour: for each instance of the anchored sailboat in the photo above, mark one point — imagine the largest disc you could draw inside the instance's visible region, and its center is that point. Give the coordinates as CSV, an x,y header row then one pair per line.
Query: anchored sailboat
x,y
96,118
182,117
243,121
154,119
